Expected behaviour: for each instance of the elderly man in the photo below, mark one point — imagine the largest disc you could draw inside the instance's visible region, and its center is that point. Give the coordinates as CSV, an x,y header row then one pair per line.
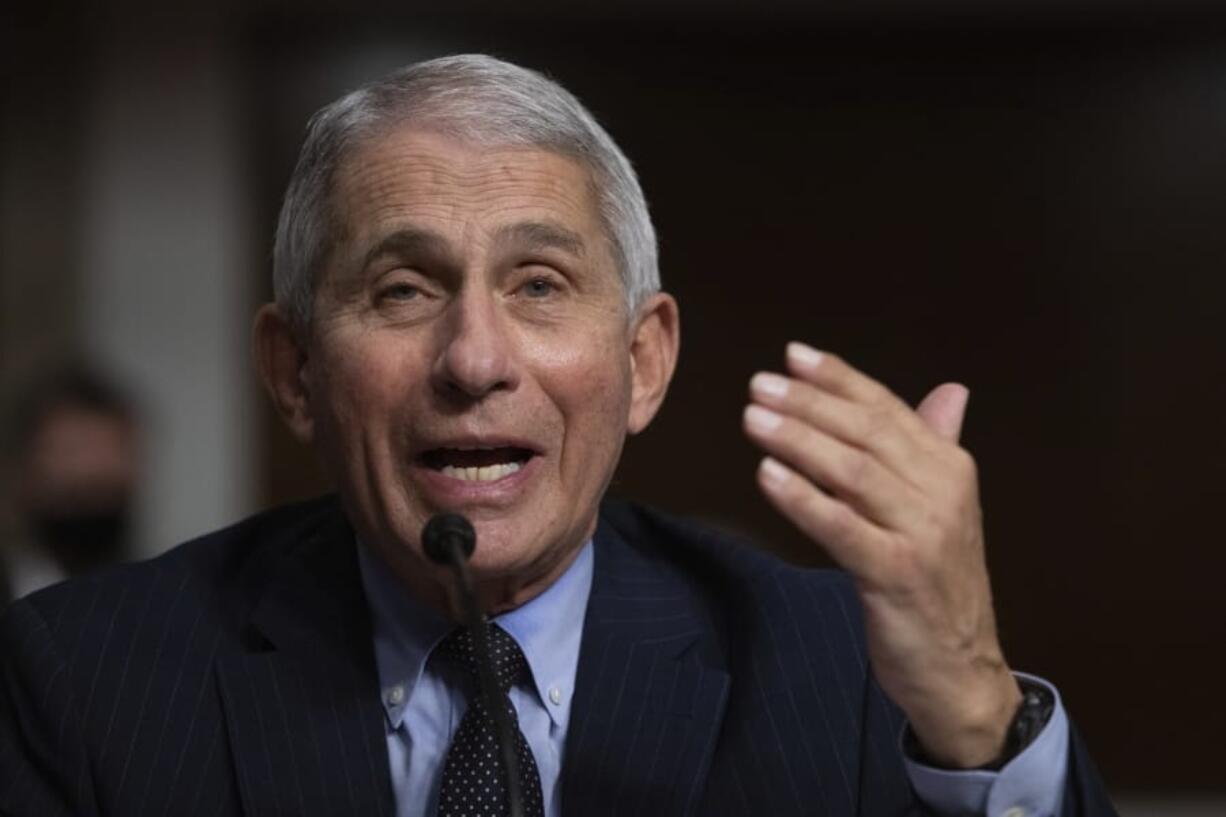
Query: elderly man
x,y
468,318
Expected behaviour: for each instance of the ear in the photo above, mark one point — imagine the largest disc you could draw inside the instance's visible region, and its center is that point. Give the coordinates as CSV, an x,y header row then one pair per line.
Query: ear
x,y
281,357
654,344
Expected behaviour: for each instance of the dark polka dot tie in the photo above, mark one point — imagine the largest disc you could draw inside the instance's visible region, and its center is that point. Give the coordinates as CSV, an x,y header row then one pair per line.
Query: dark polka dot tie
x,y
474,784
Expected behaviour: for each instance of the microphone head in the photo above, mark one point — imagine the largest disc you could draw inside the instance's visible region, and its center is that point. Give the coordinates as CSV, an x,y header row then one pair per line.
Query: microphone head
x,y
444,532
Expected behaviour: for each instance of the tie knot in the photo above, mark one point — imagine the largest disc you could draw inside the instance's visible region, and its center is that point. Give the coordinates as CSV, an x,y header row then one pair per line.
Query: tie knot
x,y
510,665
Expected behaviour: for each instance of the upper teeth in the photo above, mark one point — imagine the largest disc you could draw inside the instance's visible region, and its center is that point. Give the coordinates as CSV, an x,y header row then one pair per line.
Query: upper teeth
x,y
486,473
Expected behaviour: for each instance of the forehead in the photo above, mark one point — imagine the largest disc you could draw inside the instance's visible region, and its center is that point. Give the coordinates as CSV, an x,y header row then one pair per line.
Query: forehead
x,y
443,184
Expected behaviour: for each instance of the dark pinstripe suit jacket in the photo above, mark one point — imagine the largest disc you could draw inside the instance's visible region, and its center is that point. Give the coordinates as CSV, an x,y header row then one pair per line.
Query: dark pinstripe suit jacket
x,y
235,675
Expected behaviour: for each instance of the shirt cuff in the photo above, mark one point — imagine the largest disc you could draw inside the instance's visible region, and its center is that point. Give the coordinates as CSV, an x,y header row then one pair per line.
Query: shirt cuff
x,y
1030,785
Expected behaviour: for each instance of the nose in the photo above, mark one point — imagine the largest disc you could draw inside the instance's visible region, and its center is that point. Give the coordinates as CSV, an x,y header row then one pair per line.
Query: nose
x,y
475,355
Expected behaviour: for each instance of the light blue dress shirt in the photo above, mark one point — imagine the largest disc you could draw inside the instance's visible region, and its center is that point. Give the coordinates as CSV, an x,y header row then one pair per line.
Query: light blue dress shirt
x,y
424,700
424,704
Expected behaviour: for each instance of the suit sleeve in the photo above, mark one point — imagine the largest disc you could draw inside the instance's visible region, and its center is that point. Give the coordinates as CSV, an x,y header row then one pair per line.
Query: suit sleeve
x,y
1084,792
43,769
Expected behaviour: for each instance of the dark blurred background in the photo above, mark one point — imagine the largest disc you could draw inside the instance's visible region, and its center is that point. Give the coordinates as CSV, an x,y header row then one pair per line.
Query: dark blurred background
x,y
1028,197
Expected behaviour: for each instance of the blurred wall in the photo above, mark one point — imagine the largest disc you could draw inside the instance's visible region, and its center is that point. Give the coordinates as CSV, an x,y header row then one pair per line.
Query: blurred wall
x,y
167,289
1026,197
40,169
127,227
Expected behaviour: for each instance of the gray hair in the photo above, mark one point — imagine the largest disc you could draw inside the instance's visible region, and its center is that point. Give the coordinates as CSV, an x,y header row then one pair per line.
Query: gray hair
x,y
479,100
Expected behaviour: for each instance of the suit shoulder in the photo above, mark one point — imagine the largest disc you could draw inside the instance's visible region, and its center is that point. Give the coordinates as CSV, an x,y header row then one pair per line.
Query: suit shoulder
x,y
732,564
215,572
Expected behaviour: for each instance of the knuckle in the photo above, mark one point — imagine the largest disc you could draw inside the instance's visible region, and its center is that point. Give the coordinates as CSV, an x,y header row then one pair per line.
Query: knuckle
x,y
935,524
854,470
839,519
878,395
877,418
907,564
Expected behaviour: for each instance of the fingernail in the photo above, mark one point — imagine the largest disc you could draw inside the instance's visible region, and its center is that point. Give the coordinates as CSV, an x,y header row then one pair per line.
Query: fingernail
x,y
769,384
772,471
762,420
803,355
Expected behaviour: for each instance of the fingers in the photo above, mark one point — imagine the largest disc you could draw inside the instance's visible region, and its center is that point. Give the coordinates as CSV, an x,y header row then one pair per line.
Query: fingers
x,y
850,539
849,462
943,410
831,374
853,475
873,429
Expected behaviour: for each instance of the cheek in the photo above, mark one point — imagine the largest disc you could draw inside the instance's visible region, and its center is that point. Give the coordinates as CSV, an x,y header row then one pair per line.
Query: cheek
x,y
357,390
592,387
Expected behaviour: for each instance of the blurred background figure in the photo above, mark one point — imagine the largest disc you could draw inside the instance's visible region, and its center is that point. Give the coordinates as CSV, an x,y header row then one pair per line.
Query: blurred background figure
x,y
72,475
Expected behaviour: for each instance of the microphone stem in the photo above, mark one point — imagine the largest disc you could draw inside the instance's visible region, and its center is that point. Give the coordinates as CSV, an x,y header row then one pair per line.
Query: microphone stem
x,y
495,700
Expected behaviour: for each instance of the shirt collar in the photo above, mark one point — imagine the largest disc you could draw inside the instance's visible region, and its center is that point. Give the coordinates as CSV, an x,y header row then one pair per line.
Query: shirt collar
x,y
405,631
548,629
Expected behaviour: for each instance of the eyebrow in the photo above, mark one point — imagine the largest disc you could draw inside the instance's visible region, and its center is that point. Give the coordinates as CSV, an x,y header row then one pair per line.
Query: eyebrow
x,y
543,235
407,241
536,235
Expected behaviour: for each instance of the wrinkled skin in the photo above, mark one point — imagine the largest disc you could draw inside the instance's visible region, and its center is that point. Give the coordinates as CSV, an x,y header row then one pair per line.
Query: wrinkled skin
x,y
893,498
470,303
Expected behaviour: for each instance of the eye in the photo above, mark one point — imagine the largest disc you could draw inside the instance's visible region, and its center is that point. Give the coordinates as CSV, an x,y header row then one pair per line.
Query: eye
x,y
539,287
400,291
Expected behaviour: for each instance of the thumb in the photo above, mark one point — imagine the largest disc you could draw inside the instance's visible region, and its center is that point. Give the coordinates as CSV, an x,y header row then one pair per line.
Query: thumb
x,y
944,408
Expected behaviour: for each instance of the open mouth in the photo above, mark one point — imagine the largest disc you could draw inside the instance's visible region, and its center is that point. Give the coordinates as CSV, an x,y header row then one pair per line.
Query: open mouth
x,y
477,464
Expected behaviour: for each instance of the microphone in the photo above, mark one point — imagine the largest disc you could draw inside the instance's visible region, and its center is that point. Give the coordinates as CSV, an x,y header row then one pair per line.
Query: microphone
x,y
449,539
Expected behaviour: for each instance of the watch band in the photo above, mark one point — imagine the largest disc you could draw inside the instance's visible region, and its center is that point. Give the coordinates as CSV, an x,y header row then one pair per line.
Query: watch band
x,y
1031,716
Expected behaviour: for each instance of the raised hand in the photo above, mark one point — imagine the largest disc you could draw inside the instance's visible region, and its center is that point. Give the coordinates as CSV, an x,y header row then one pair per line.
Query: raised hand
x,y
893,498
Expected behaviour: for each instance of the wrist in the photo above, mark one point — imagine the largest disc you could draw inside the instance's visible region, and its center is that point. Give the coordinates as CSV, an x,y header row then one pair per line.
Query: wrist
x,y
975,732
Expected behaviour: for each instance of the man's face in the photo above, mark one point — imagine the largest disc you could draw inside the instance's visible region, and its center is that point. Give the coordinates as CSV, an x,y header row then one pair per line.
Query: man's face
x,y
470,351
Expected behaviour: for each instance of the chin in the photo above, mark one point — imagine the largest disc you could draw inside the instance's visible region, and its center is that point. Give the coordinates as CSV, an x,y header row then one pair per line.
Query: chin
x,y
502,549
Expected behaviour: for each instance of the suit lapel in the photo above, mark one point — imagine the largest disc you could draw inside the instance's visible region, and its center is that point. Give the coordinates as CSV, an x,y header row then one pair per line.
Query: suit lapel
x,y
650,690
302,703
